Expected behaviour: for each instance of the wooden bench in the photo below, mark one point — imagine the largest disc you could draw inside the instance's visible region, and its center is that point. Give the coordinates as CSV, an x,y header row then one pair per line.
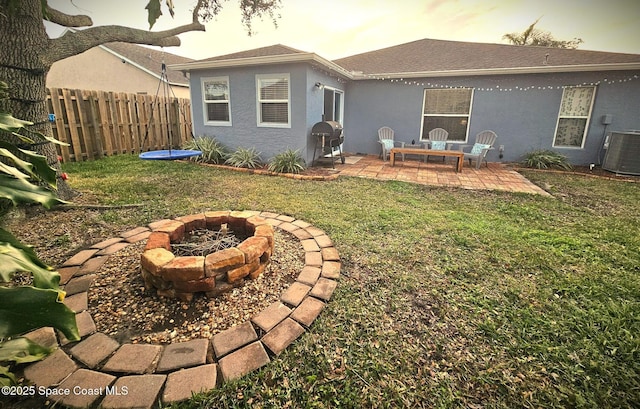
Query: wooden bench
x,y
426,152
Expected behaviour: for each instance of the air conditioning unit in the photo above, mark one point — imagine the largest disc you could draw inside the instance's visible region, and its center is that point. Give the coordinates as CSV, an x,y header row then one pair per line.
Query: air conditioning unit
x,y
623,153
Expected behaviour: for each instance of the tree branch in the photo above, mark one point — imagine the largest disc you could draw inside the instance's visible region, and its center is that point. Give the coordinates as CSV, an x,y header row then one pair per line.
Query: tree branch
x,y
66,20
76,42
196,11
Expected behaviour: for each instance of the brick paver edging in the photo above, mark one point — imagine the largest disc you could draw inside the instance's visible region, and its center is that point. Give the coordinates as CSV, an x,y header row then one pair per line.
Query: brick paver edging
x,y
98,371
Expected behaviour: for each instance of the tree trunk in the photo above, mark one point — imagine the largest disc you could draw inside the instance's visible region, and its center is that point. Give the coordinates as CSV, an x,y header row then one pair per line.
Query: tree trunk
x,y
22,68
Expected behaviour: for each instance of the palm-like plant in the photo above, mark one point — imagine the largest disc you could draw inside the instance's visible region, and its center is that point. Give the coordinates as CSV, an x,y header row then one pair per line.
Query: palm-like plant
x,y
245,158
27,307
288,161
545,159
540,38
212,150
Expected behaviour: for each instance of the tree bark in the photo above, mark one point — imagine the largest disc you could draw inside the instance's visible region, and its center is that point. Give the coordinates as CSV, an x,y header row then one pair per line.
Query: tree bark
x,y
24,40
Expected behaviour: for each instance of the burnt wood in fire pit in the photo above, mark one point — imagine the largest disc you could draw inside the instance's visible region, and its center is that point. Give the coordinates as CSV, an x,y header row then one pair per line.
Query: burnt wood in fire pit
x,y
175,276
203,242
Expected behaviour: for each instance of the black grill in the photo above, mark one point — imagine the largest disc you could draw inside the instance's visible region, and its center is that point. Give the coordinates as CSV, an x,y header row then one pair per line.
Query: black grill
x,y
329,129
328,136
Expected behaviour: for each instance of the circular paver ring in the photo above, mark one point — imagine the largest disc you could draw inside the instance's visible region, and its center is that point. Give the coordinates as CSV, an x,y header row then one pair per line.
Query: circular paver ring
x,y
100,370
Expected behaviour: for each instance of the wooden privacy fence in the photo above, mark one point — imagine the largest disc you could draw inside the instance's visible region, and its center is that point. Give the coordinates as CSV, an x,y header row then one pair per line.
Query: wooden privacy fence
x,y
102,123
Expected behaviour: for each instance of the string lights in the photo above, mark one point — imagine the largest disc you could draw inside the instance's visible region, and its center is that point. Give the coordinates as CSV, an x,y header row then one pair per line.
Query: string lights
x,y
329,74
498,88
495,88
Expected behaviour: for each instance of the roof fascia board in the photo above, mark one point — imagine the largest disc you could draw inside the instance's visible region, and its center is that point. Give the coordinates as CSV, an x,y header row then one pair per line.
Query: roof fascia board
x,y
138,66
264,60
503,71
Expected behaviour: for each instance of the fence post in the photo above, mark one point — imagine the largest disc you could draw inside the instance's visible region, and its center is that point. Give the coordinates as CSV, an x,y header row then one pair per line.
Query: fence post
x,y
116,125
105,123
59,127
99,123
96,136
75,147
86,139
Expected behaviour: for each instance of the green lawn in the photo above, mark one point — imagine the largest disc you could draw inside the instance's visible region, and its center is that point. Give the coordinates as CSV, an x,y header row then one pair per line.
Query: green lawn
x,y
448,297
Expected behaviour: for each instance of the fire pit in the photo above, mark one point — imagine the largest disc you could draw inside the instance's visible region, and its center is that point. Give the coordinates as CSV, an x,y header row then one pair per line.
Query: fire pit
x,y
174,276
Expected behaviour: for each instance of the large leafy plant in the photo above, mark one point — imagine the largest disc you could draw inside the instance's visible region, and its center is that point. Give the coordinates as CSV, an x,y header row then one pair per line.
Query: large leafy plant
x,y
26,178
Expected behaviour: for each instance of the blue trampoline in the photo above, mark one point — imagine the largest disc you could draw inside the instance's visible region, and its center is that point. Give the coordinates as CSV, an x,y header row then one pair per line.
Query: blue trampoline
x,y
167,154
170,154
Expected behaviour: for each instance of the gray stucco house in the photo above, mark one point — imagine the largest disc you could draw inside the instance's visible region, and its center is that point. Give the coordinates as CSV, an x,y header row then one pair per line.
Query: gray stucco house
x,y
532,97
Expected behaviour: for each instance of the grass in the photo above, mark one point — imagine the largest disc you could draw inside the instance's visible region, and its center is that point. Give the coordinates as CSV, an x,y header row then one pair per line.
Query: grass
x,y
448,297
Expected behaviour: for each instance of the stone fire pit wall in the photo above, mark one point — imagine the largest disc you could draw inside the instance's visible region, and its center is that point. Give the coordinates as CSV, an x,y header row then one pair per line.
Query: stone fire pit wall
x,y
217,273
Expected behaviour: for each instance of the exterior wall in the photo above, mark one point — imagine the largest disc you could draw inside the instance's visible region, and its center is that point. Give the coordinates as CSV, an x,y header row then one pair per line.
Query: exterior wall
x,y
97,69
315,107
524,117
306,110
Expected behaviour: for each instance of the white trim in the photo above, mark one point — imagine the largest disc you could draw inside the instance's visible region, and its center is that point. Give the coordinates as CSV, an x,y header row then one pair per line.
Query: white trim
x,y
587,119
337,149
130,61
205,102
264,60
259,123
501,71
140,67
359,75
335,91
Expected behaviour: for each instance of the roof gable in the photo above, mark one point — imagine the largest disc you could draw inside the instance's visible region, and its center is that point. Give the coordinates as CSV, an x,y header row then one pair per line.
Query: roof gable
x,y
277,49
275,54
150,60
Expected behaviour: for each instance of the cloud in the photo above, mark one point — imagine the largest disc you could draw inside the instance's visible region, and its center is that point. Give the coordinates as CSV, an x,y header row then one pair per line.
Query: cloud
x,y
338,28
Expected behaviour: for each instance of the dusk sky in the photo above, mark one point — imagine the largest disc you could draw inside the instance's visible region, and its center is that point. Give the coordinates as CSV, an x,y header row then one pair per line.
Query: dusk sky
x,y
339,28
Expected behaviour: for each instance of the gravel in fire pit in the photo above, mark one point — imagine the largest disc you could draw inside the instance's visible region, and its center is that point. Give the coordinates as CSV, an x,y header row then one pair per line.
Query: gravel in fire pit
x,y
125,310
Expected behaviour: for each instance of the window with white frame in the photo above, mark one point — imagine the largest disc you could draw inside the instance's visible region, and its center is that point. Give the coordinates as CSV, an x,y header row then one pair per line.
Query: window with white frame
x,y
273,100
333,107
215,92
448,109
573,118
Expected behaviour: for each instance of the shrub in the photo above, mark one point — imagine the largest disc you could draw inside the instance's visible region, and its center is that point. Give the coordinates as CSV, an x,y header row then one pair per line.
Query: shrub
x,y
545,159
245,158
212,150
288,161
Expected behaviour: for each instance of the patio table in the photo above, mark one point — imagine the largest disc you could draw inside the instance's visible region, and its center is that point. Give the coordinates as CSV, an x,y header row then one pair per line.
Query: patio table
x,y
457,154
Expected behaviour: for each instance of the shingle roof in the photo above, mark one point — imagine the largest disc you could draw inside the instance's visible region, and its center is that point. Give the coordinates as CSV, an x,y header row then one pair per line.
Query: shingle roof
x,y
277,49
151,59
432,57
429,55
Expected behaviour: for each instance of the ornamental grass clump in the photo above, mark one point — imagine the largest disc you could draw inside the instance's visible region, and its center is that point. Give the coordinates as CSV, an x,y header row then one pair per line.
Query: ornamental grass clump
x,y
212,150
546,159
288,161
245,158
